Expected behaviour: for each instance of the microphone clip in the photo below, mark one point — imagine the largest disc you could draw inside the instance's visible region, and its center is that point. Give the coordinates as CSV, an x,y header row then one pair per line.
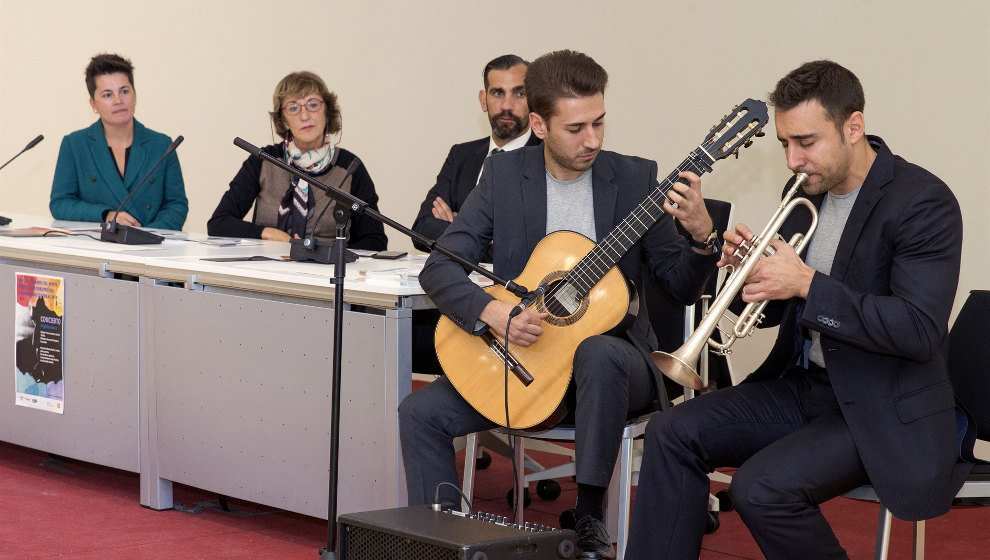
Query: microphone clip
x,y
529,300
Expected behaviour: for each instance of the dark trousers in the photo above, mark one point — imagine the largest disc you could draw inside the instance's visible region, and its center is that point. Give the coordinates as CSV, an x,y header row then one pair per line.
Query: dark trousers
x,y
610,379
793,451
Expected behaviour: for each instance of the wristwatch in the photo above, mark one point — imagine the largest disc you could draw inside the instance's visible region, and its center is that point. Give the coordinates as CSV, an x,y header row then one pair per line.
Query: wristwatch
x,y
711,242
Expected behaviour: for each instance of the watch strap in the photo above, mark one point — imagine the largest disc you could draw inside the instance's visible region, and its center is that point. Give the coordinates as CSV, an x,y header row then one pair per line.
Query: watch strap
x,y
708,243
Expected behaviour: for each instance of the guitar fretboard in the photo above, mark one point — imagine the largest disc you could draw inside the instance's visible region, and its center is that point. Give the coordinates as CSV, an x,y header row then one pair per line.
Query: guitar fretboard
x,y
617,243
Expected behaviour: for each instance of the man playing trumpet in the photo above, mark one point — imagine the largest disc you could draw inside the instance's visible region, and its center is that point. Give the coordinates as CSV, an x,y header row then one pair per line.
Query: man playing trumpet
x,y
855,389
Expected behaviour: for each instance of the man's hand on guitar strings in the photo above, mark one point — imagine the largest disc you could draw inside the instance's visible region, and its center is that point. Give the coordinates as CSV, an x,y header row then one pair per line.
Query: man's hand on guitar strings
x,y
687,205
525,329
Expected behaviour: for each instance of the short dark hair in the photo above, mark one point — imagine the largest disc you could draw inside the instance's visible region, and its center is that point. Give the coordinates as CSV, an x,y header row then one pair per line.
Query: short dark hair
x,y
298,84
836,88
107,63
562,74
503,62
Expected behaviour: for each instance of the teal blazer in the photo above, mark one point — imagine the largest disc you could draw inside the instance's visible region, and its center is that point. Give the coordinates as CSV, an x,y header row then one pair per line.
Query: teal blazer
x,y
87,183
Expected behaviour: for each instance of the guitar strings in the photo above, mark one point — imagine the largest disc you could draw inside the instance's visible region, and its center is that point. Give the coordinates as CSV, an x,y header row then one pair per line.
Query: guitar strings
x,y
581,272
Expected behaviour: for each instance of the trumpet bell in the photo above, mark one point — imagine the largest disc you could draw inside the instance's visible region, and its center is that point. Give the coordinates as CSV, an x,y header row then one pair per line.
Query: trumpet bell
x,y
677,369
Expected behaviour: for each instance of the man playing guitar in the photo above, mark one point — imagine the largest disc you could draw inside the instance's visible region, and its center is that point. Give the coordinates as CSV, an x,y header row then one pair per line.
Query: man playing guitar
x,y
569,183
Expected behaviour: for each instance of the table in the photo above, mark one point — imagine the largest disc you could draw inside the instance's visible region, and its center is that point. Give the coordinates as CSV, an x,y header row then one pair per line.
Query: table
x,y
218,374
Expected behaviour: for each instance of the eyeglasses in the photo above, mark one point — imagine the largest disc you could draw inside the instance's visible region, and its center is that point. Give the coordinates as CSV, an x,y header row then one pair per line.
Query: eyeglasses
x,y
313,105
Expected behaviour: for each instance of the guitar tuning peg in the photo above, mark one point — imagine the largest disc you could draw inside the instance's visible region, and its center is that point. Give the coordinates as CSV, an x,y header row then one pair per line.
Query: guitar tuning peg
x,y
736,153
760,134
746,145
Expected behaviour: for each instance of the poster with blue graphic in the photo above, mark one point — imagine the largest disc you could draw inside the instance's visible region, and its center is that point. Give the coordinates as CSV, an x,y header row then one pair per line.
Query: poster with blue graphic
x,y
38,328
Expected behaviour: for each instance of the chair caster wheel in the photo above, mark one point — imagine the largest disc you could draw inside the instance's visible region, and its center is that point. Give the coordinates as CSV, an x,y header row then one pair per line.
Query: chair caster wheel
x,y
526,498
711,524
548,489
567,519
724,501
483,460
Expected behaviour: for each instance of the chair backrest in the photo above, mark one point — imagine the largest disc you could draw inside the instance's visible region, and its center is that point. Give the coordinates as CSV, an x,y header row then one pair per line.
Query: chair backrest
x,y
969,359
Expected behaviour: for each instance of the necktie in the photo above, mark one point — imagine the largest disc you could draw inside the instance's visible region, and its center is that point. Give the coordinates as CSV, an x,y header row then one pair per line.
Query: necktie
x,y
496,151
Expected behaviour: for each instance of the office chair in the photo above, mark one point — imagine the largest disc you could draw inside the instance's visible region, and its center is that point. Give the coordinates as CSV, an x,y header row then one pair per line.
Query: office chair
x,y
969,373
672,333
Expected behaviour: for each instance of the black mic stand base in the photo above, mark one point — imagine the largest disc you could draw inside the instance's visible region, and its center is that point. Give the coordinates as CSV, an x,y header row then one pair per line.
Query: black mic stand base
x,y
327,554
4,221
126,235
317,252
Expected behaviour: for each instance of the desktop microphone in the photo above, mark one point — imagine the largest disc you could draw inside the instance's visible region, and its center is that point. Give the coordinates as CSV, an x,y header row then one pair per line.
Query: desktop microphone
x,y
31,144
127,235
308,248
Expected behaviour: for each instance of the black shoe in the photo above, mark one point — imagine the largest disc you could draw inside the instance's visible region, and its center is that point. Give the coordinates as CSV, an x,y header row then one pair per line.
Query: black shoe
x,y
593,541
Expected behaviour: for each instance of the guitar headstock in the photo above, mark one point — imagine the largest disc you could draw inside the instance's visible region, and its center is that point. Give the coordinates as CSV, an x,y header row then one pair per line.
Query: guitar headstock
x,y
736,129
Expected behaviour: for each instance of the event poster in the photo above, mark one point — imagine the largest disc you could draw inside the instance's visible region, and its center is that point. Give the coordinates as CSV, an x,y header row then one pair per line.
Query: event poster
x,y
38,330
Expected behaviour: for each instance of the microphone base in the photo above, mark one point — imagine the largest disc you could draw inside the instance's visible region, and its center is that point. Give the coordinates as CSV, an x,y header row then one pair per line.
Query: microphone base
x,y
319,252
127,235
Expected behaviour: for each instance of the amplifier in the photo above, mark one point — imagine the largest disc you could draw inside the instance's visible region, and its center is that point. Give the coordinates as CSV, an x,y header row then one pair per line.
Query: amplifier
x,y
420,533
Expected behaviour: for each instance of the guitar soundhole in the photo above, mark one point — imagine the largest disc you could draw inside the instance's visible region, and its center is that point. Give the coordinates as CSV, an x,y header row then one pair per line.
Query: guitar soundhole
x,y
561,301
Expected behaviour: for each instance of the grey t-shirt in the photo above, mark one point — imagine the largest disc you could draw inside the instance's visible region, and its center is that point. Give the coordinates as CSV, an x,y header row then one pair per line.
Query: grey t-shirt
x,y
821,252
570,205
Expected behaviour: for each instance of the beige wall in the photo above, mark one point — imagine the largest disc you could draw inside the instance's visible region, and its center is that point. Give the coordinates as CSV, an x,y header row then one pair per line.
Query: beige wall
x,y
408,74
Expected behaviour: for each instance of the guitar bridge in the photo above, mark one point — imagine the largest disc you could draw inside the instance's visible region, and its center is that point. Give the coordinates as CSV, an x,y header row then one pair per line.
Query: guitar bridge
x,y
517,368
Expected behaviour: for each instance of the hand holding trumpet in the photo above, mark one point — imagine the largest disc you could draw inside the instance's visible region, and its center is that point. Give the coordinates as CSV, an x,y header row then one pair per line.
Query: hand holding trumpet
x,y
775,271
778,276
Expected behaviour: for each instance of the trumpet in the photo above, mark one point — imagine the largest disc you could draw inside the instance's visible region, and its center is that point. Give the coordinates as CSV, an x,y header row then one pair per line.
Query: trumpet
x,y
680,365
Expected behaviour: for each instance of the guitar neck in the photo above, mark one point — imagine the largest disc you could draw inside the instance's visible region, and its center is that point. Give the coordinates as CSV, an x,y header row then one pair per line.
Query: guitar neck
x,y
617,243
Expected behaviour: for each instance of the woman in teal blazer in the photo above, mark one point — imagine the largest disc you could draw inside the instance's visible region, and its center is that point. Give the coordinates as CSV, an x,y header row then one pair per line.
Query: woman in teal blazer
x,y
98,166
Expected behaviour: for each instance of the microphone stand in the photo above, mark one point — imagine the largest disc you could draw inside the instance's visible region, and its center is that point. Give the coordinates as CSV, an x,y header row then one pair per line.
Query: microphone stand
x,y
350,204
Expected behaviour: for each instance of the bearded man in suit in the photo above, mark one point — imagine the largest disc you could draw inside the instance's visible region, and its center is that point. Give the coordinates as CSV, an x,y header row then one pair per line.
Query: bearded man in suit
x,y
504,100
855,389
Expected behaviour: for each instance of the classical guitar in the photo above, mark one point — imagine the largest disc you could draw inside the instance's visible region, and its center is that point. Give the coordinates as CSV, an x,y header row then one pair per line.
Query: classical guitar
x,y
585,295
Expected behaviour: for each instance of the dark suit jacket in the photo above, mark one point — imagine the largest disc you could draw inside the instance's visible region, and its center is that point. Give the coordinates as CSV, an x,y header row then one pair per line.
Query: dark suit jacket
x,y
510,206
883,314
456,180
87,182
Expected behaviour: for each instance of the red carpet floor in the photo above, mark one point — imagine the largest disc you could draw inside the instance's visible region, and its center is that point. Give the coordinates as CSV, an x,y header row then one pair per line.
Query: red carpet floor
x,y
77,511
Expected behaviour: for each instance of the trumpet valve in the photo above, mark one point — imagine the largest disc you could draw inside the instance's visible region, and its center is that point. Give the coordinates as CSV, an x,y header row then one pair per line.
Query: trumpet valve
x,y
745,246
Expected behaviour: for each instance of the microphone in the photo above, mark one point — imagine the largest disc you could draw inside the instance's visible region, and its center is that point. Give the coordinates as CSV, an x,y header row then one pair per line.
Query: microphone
x,y
308,248
31,144
247,147
127,235
530,299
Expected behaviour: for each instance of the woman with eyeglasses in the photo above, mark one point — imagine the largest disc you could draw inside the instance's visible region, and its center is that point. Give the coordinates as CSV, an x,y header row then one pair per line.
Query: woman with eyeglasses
x,y
99,166
306,115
